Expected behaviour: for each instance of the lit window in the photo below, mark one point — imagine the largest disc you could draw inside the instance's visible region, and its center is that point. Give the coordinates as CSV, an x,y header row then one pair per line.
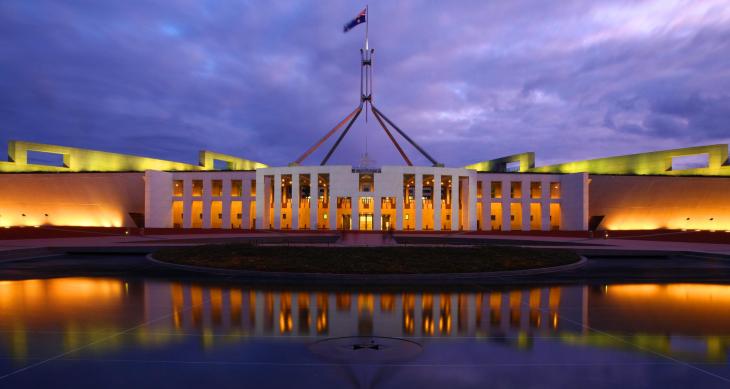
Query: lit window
x,y
216,187
197,188
554,190
177,188
535,190
515,190
496,190
236,187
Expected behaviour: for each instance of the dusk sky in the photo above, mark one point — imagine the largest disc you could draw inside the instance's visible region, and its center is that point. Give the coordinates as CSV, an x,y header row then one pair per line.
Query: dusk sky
x,y
468,80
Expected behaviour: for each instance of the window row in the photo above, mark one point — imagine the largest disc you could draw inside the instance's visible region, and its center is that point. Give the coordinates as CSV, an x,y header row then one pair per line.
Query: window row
x,y
216,188
515,190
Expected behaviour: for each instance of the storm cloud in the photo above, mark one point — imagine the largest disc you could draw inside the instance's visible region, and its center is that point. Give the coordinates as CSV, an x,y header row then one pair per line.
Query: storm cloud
x,y
468,80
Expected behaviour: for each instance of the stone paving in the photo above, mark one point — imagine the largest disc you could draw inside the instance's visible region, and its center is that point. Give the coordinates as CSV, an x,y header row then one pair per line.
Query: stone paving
x,y
365,239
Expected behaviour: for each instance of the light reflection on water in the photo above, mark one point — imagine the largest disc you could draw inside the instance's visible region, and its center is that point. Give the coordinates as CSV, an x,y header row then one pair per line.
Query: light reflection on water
x,y
688,321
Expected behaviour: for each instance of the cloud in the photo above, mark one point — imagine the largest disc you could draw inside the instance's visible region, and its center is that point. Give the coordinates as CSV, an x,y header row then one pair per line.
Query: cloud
x,y
467,80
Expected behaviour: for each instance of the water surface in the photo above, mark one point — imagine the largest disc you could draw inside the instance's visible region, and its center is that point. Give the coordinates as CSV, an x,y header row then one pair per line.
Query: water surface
x,y
136,332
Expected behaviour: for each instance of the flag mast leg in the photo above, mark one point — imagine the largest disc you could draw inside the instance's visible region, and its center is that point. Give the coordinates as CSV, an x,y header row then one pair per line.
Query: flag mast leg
x,y
337,143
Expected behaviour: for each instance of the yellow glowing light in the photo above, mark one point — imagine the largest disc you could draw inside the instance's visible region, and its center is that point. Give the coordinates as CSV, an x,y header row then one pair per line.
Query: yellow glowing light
x,y
59,295
77,160
683,292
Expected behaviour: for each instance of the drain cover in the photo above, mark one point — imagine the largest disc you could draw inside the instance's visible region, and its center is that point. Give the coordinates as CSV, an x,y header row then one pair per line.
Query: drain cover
x,y
366,349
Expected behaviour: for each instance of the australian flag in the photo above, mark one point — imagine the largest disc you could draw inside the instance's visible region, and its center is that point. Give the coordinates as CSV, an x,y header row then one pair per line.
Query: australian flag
x,y
362,17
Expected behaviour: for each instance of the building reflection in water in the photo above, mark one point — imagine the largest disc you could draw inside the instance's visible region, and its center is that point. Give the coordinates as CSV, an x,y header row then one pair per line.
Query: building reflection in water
x,y
322,314
445,314
427,314
409,314
285,316
268,312
675,319
365,307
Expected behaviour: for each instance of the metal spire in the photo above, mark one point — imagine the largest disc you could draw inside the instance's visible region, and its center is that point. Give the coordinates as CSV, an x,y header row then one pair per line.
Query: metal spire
x,y
366,99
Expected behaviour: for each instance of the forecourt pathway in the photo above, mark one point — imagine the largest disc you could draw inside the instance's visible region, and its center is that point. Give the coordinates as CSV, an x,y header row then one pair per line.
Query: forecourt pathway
x,y
150,242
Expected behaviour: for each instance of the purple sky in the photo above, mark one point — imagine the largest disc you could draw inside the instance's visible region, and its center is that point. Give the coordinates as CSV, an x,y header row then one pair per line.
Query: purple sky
x,y
468,80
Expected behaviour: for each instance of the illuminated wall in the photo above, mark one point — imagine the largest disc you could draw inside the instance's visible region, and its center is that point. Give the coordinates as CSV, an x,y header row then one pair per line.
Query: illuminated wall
x,y
651,163
651,202
79,199
83,160
526,162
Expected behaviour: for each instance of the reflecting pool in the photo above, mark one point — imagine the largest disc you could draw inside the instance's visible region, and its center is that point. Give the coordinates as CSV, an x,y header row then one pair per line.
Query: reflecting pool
x,y
112,332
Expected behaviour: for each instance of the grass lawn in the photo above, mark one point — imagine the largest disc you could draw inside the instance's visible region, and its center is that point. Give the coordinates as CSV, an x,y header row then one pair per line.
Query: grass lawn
x,y
366,260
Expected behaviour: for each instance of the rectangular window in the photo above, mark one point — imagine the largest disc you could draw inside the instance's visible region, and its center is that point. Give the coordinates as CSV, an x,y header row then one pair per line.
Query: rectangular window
x,y
196,210
496,189
479,189
535,190
696,161
555,216
367,182
197,188
45,158
554,190
177,214
216,188
366,202
177,187
216,214
515,190
512,167
253,188
236,209
236,187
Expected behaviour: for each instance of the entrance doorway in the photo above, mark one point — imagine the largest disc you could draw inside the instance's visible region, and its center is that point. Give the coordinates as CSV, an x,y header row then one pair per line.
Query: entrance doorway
x,y
346,222
366,222
386,222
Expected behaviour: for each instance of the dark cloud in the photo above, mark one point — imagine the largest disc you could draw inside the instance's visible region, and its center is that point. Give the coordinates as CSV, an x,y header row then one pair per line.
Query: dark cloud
x,y
468,80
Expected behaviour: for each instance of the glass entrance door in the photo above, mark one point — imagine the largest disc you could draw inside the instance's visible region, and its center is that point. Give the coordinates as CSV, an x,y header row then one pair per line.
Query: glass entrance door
x,y
366,222
386,222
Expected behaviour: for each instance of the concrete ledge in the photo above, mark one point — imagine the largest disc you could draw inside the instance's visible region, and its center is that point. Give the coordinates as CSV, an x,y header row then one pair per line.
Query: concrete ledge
x,y
372,278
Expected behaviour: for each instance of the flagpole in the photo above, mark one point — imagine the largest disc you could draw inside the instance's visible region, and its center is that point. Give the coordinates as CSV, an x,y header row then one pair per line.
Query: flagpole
x,y
367,25
367,56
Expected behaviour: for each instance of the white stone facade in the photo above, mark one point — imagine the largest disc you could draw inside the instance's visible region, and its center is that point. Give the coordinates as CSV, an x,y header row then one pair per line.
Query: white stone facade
x,y
366,199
